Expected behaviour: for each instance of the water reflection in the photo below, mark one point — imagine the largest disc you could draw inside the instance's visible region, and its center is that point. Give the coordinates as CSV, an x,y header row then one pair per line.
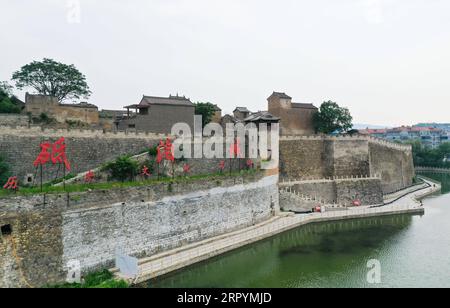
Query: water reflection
x,y
413,251
302,257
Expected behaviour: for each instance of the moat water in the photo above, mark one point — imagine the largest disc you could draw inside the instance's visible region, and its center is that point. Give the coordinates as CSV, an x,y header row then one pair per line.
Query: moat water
x,y
414,251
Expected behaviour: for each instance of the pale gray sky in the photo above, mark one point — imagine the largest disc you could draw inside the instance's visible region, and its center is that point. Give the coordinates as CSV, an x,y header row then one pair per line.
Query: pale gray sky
x,y
387,60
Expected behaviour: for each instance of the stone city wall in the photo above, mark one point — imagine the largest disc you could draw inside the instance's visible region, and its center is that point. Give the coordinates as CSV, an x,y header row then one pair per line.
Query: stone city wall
x,y
323,157
140,221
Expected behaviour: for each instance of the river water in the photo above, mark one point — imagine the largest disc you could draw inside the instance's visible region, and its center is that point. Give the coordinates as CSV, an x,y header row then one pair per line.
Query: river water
x,y
413,251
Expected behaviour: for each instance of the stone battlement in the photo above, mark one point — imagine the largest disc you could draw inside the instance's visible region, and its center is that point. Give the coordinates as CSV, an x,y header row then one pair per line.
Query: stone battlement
x,y
370,139
78,133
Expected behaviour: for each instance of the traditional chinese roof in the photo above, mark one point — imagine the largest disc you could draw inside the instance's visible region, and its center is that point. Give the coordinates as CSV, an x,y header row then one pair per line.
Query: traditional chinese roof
x,y
241,109
147,101
280,95
303,106
262,116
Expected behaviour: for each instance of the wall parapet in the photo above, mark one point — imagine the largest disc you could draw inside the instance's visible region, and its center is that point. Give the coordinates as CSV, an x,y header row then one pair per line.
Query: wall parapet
x,y
309,180
370,139
83,133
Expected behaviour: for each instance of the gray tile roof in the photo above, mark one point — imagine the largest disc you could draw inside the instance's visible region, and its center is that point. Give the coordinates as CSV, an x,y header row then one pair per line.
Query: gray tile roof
x,y
303,106
241,109
281,95
171,100
261,116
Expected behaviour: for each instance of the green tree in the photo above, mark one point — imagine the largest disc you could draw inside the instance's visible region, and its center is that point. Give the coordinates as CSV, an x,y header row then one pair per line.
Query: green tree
x,y
331,118
206,110
7,104
49,77
4,171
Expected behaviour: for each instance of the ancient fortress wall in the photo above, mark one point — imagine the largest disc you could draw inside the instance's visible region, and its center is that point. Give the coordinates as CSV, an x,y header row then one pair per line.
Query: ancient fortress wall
x,y
323,157
86,149
48,233
340,191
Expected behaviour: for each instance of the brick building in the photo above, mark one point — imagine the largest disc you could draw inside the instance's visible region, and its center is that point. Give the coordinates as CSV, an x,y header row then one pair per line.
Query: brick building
x,y
158,114
296,118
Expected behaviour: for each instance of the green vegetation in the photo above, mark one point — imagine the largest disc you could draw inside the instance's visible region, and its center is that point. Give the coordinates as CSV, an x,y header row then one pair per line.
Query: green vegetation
x,y
332,118
4,171
74,188
123,168
99,280
49,77
44,119
206,110
7,100
426,157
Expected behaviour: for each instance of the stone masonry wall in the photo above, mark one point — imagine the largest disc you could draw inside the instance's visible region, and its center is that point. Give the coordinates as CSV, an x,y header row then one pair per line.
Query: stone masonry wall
x,y
85,149
319,157
342,192
141,221
13,119
395,167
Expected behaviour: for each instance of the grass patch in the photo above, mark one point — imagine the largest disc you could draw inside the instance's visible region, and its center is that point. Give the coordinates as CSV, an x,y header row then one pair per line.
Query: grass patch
x,y
98,280
83,187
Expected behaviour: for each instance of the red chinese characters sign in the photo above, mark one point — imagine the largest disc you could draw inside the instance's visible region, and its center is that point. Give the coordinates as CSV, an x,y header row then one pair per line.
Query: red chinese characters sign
x,y
12,184
56,156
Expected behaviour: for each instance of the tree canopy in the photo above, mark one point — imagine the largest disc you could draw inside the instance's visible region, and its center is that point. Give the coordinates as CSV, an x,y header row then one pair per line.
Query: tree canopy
x,y
7,101
427,157
332,118
48,77
206,110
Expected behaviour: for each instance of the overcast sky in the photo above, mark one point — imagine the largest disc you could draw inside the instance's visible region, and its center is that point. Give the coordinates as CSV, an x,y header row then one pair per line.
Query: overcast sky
x,y
387,60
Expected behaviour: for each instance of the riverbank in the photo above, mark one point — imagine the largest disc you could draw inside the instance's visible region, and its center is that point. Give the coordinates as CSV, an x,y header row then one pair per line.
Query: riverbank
x,y
164,263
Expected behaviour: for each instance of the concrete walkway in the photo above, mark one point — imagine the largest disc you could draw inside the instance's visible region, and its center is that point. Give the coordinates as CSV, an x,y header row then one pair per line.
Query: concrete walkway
x,y
170,261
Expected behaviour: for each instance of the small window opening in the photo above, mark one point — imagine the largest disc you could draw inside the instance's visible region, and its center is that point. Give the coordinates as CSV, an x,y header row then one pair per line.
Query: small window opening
x,y
6,230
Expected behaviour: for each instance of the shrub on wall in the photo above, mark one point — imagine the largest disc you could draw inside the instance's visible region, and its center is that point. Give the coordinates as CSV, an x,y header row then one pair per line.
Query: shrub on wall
x,y
123,168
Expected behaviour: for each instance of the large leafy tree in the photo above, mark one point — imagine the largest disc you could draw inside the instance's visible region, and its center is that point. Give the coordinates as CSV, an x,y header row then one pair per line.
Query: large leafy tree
x,y
206,110
49,77
332,118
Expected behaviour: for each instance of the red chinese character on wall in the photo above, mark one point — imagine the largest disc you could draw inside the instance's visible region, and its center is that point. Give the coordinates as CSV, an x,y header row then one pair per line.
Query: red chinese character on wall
x,y
222,166
235,149
186,169
59,153
43,157
168,148
12,183
146,172
89,177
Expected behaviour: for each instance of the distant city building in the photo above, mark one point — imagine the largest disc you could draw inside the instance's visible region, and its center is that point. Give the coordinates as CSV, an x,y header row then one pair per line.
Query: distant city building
x,y
429,136
158,114
296,118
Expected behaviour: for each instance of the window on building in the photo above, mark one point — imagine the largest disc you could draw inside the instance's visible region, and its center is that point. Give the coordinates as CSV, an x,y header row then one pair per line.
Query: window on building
x,y
131,125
